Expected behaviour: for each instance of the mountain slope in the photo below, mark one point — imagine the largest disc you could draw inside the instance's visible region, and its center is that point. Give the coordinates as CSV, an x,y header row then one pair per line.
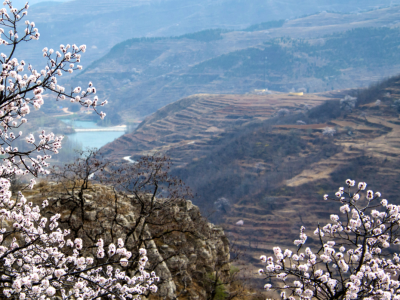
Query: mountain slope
x,y
145,74
102,24
268,160
194,124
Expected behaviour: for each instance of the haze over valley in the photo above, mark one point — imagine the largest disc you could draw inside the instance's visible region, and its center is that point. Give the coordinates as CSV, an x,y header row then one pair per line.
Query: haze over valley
x,y
314,53
262,106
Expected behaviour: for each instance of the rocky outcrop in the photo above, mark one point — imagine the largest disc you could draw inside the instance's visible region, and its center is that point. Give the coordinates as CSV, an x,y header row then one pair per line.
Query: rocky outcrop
x,y
185,251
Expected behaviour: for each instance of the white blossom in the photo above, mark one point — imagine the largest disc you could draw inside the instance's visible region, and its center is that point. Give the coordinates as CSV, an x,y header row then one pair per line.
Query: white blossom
x,y
367,271
38,261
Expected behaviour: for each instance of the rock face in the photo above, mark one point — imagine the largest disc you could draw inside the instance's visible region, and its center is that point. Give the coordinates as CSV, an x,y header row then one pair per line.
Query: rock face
x,y
188,259
185,251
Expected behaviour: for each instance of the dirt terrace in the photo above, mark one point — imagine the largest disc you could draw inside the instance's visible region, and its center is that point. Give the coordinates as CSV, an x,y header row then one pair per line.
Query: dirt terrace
x,y
368,137
275,220
194,123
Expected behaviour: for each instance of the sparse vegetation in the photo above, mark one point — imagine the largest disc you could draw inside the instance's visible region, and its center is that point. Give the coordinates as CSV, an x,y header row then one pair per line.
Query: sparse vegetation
x,y
265,25
298,58
270,171
208,35
317,64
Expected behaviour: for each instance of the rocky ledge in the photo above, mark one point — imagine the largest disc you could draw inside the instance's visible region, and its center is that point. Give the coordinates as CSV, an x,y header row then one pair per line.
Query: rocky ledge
x,y
190,255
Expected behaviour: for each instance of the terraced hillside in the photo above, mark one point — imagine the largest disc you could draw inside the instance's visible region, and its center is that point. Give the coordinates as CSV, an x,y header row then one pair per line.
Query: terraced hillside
x,y
273,218
316,53
143,54
368,141
268,160
191,127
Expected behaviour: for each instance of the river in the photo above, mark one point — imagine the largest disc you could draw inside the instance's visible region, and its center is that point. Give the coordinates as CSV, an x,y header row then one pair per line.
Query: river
x,y
91,139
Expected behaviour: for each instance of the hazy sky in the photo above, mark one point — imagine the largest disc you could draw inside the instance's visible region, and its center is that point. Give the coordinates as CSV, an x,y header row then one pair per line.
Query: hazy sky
x,y
20,3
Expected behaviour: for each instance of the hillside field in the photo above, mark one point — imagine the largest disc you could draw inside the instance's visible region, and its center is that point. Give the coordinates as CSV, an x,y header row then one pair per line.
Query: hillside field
x,y
268,160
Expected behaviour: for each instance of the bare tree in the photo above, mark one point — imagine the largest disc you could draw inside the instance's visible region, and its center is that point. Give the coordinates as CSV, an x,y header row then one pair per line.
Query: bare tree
x,y
146,207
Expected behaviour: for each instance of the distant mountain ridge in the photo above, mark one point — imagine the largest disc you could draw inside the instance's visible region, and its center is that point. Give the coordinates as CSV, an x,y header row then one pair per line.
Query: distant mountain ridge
x,y
143,74
320,53
102,24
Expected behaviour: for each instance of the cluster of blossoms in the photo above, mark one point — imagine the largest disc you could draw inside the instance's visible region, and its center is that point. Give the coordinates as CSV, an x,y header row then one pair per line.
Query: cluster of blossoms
x,y
355,257
37,260
22,87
